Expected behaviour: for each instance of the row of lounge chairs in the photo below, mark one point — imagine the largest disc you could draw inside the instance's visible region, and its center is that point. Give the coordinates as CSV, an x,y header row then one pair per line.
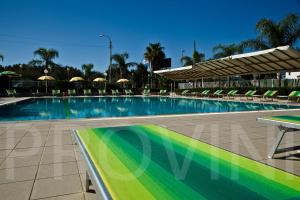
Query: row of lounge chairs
x,y
249,95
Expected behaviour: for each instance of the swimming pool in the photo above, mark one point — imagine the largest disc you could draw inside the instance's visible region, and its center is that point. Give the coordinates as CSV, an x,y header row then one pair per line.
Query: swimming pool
x,y
99,107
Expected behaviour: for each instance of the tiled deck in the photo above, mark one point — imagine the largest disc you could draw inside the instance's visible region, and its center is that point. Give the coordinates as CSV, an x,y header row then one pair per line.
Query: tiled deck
x,y
39,159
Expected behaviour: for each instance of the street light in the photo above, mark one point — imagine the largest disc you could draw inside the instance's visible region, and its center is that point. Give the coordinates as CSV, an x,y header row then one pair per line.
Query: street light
x,y
46,72
110,54
105,75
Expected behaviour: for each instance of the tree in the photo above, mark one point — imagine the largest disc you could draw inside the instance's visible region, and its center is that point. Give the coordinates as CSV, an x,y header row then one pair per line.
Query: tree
x,y
155,55
120,62
186,60
140,75
222,51
87,70
1,57
47,56
273,34
197,58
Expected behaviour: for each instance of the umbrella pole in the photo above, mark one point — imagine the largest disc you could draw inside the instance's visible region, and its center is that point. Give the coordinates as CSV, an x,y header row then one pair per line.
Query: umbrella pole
x,y
46,88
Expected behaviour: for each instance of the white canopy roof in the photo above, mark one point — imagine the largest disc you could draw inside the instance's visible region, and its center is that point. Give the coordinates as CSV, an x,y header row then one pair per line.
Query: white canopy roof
x,y
274,60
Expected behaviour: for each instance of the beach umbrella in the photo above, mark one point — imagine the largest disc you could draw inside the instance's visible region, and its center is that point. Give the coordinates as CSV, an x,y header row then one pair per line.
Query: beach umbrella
x,y
123,80
46,78
9,74
99,80
76,79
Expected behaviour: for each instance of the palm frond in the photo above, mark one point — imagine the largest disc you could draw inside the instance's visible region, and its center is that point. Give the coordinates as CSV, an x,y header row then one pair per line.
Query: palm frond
x,y
255,44
35,63
186,60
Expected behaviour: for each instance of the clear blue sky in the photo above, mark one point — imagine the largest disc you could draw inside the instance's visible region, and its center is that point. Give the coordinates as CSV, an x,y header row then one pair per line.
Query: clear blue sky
x,y
72,26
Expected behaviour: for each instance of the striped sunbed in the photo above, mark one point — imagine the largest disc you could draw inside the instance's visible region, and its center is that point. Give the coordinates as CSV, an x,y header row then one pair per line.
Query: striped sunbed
x,y
286,124
150,162
205,93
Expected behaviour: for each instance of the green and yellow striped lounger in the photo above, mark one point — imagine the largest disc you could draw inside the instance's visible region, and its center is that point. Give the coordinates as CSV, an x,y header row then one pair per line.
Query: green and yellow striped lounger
x,y
150,162
285,124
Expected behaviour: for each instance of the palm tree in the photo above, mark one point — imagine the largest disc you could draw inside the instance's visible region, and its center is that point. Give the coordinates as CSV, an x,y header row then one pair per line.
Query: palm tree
x,y
87,70
222,51
186,60
154,54
1,57
46,56
273,34
197,57
120,62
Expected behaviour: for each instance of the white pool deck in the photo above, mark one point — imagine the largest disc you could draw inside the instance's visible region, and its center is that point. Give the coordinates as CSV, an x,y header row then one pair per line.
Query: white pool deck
x,y
40,160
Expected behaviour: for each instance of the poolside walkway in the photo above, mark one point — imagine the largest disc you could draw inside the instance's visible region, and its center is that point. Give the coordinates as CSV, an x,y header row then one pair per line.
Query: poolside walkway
x,y
40,160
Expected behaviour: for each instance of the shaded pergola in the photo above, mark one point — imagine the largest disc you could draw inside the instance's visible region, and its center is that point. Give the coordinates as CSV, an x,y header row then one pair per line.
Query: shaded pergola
x,y
280,59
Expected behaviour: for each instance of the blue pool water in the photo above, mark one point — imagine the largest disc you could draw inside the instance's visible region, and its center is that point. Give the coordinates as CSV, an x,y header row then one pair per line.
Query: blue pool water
x,y
97,107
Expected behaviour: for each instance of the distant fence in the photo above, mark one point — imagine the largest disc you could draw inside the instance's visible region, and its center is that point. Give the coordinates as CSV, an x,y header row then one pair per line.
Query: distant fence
x,y
266,83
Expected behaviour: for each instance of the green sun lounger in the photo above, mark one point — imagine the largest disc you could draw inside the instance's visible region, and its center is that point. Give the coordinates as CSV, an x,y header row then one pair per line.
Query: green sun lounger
x,y
292,95
286,124
163,92
146,92
128,92
55,92
115,92
102,92
11,93
270,94
217,93
185,92
71,92
87,92
205,93
150,162
250,94
231,94
36,93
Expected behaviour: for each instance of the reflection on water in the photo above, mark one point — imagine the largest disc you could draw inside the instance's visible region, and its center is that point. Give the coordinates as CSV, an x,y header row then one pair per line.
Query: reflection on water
x,y
93,107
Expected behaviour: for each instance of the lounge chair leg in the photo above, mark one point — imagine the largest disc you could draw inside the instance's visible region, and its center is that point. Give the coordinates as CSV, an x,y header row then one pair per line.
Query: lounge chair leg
x,y
277,142
88,182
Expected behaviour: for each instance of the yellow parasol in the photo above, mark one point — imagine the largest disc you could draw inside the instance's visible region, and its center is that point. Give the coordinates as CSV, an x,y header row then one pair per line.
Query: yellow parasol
x,y
46,78
76,78
99,80
123,80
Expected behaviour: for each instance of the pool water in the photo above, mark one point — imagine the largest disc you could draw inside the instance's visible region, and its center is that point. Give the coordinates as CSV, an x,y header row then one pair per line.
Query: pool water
x,y
99,107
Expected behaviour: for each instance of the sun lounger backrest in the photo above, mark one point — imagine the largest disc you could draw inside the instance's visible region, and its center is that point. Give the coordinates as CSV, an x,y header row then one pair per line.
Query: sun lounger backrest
x,y
217,92
204,92
248,93
273,93
294,94
267,93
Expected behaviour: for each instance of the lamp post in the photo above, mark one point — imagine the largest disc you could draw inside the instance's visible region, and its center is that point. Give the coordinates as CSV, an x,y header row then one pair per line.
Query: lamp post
x,y
110,54
46,72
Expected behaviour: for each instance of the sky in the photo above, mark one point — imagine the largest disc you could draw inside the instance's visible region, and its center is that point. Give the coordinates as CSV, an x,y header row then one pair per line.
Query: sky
x,y
73,27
